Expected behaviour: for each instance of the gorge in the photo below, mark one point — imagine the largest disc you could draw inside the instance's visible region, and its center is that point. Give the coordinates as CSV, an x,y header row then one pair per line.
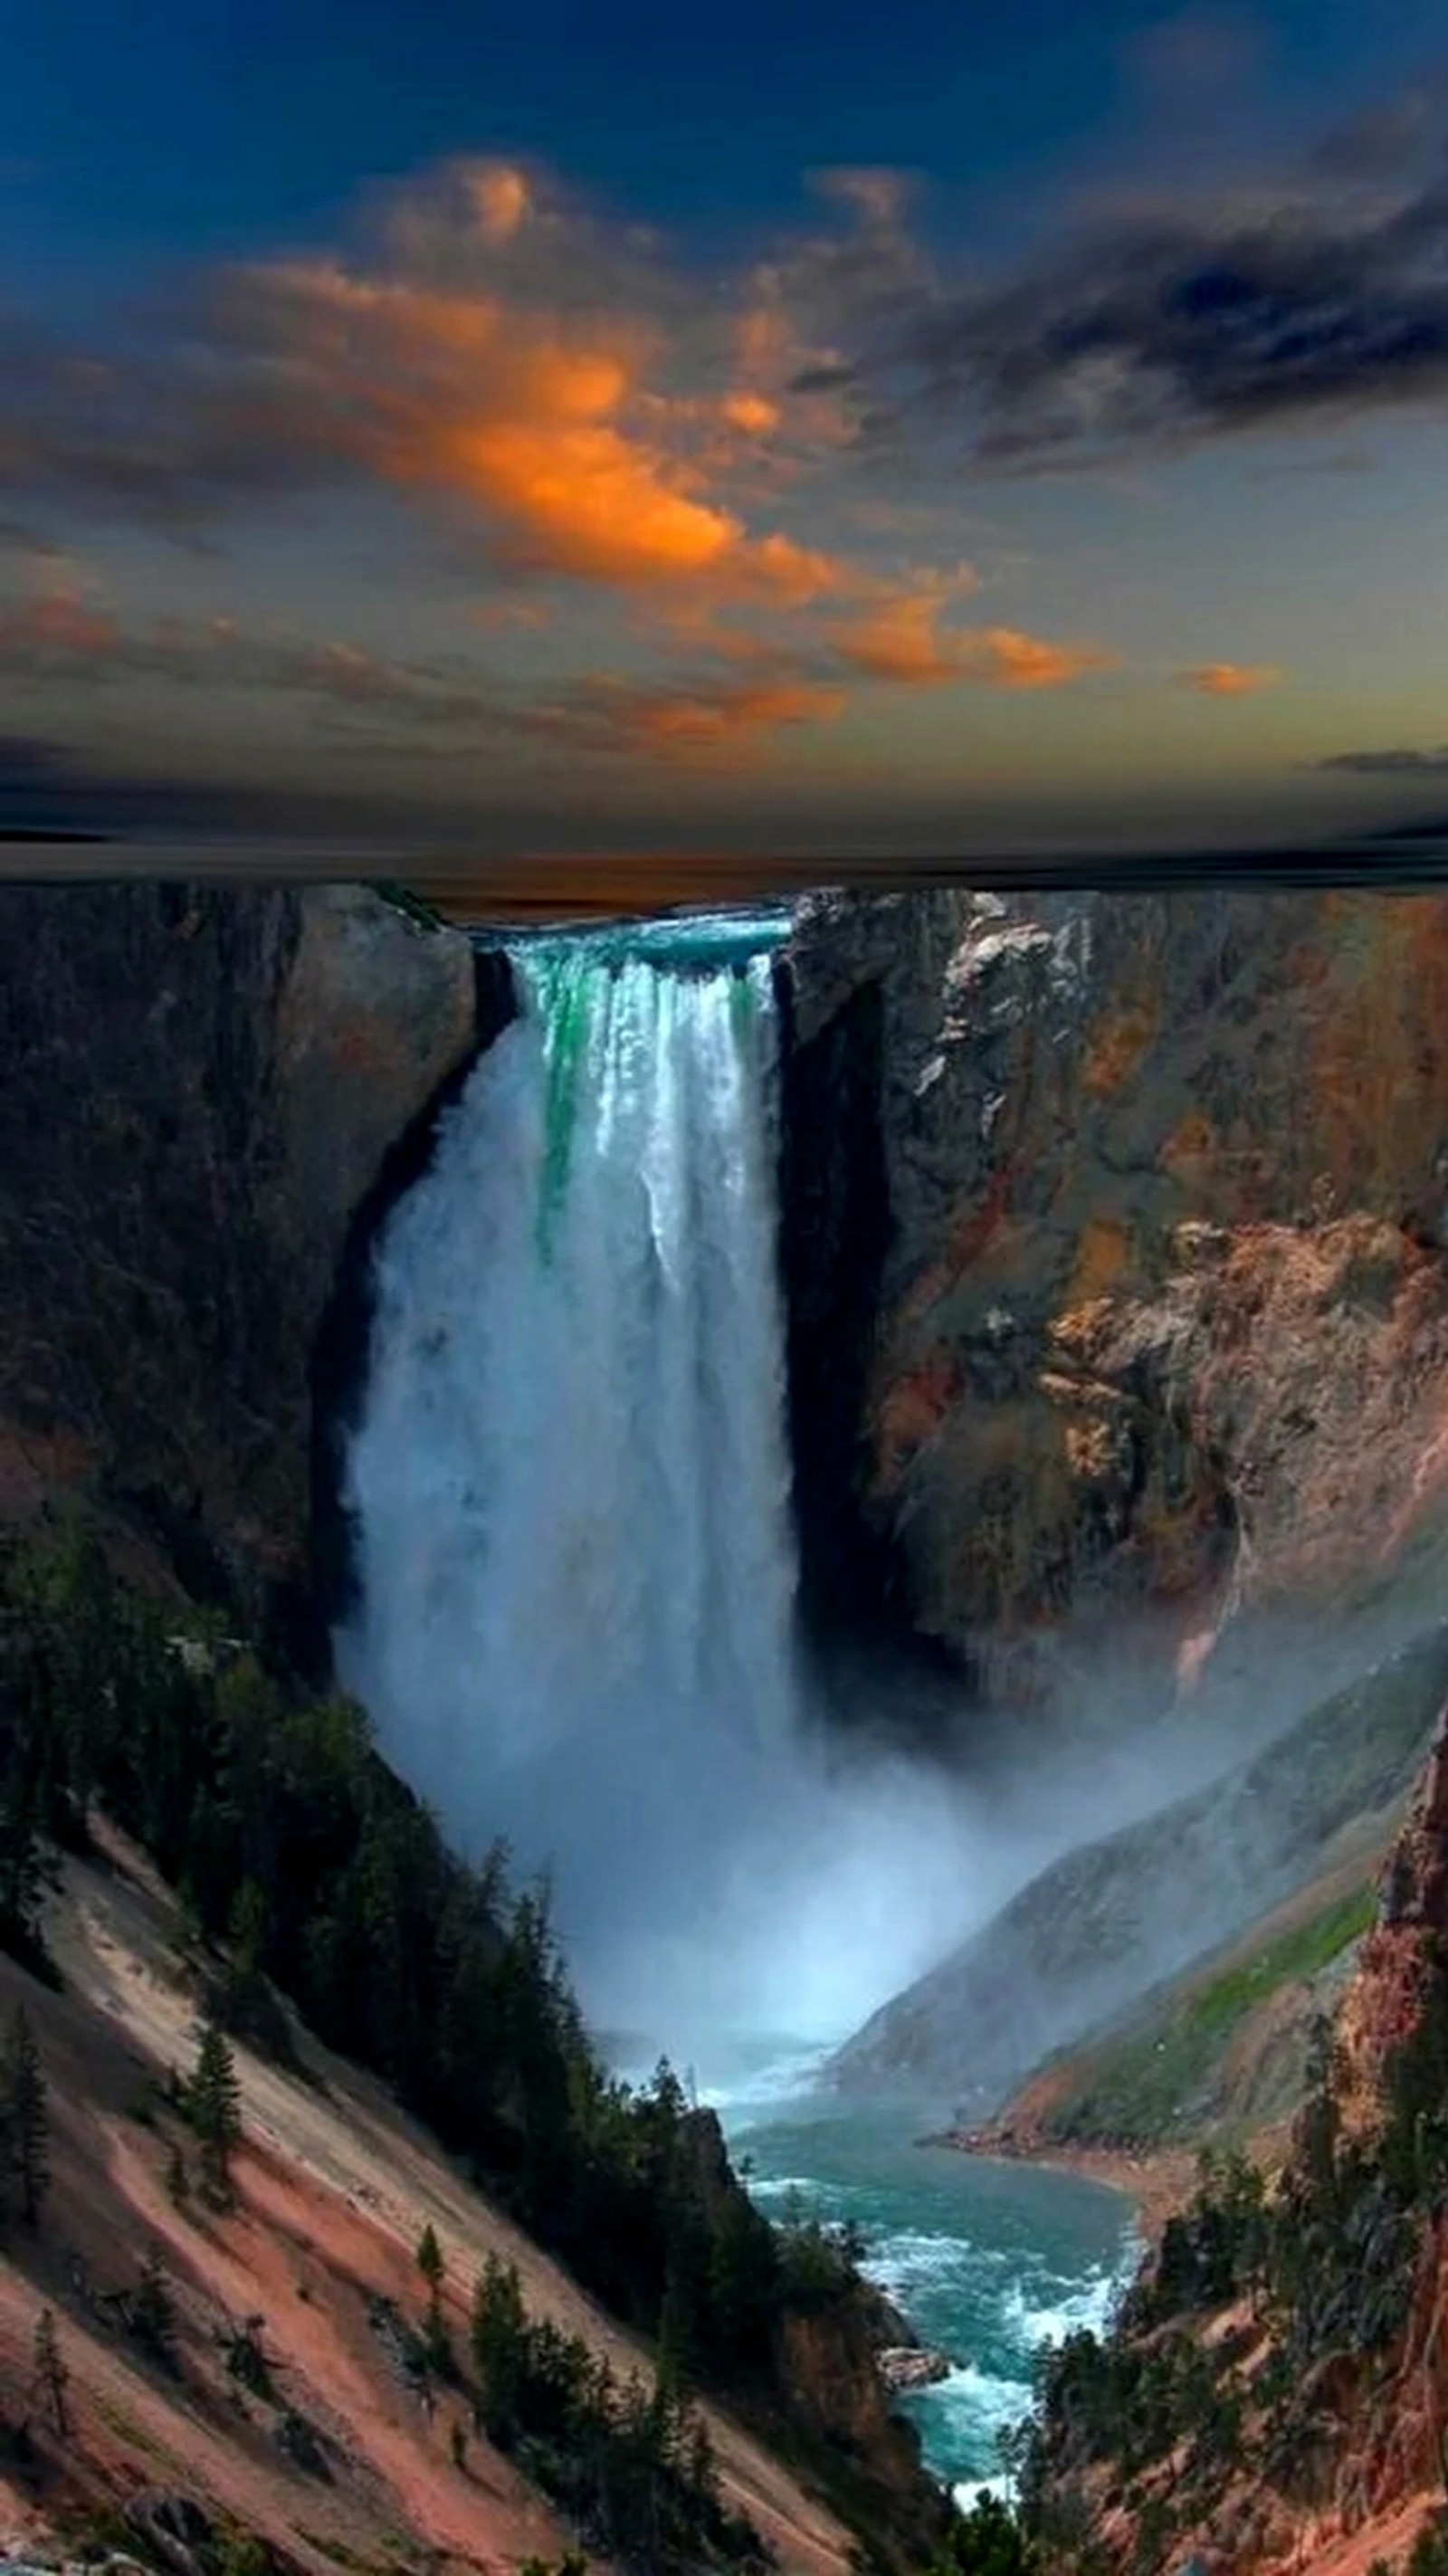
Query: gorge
x,y
801,1424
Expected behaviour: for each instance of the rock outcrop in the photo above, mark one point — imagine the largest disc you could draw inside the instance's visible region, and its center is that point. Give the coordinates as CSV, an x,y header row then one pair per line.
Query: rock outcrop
x,y
1157,1248
202,1092
906,2366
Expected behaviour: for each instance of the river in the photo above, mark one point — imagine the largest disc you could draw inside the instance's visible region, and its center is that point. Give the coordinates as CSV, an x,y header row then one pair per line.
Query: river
x,y
988,2261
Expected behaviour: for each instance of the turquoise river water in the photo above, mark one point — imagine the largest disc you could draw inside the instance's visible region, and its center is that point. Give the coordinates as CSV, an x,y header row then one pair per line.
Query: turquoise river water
x,y
988,2261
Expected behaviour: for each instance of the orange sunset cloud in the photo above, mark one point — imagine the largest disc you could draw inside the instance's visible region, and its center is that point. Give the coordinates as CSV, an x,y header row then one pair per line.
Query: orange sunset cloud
x,y
500,198
58,623
616,716
567,415
901,641
1232,679
515,363
506,408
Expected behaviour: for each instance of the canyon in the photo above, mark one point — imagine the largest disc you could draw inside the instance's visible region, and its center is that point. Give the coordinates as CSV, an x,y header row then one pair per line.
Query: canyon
x,y
1113,1238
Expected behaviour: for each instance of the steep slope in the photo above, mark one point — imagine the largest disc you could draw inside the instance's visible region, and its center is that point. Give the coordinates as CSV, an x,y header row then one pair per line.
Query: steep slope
x,y
1107,1923
343,2464
1274,2393
1150,1193
1217,2057
303,1861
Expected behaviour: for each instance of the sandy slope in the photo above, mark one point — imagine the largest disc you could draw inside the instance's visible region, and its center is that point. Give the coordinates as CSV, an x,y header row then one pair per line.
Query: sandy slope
x,y
333,2188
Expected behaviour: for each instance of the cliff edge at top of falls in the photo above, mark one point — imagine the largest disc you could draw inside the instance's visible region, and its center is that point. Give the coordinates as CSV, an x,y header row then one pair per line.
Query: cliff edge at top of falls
x,y
199,1089
1158,1309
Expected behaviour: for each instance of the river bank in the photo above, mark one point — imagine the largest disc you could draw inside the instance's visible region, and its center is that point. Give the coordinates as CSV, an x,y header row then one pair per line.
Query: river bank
x,y
1157,2182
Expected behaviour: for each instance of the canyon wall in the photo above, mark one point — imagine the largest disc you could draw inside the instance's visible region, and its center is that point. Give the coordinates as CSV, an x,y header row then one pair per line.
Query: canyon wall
x,y
1156,1255
1114,1231
202,1092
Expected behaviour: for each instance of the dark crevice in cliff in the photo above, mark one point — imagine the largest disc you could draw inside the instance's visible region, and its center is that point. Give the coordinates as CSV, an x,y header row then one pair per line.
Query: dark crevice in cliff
x,y
835,1232
340,1352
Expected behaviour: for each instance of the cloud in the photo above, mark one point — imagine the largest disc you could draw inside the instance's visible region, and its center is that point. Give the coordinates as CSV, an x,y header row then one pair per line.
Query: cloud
x,y
1231,679
55,633
902,640
502,198
481,363
877,194
1017,661
60,637
1402,763
568,410
1393,139
528,613
1168,328
617,716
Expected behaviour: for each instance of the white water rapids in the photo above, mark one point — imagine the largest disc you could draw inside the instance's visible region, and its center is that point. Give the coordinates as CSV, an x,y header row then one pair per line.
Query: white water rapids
x,y
571,1497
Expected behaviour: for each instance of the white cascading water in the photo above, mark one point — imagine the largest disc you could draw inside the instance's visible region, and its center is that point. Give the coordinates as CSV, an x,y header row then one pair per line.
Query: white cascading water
x,y
575,1549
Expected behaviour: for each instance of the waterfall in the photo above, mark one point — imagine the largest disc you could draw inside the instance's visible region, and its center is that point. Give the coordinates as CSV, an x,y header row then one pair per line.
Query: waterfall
x,y
570,1490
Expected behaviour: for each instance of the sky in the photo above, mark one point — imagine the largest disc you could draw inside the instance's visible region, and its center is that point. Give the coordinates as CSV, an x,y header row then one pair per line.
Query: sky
x,y
583,430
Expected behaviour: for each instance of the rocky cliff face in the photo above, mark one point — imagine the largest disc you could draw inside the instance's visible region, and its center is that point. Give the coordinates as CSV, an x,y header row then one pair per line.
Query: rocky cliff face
x,y
1114,1231
1157,1257
202,1093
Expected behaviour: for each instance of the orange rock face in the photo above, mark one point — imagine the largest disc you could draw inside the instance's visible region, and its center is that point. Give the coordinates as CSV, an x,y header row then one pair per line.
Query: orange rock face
x,y
1163,1322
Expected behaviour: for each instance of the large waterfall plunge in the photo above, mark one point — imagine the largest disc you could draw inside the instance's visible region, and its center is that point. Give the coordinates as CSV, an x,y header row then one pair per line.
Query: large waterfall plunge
x,y
571,1495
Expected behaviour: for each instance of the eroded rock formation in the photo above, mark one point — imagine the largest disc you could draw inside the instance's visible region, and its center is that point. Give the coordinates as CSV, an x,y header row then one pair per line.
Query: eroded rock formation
x,y
1161,1306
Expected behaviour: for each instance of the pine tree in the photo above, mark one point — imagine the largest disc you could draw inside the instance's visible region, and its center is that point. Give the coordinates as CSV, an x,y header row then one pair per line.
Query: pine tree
x,y
428,2259
214,2101
430,2264
27,2125
499,2339
153,2316
51,2373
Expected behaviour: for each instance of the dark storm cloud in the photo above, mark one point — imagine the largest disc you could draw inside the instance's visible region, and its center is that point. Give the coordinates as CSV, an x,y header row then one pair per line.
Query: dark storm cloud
x,y
1401,763
1169,330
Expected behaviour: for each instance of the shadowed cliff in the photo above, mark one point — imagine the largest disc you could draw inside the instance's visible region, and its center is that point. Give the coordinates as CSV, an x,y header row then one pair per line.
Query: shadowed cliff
x,y
199,1092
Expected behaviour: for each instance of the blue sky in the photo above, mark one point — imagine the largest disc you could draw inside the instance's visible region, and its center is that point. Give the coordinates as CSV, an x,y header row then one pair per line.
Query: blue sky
x,y
790,421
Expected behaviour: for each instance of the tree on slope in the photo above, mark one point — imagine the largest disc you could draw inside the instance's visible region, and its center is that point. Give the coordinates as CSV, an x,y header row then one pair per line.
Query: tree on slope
x,y
214,2102
51,2375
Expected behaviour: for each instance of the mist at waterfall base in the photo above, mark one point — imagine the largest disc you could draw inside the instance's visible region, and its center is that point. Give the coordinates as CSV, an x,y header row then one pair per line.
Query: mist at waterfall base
x,y
571,1492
